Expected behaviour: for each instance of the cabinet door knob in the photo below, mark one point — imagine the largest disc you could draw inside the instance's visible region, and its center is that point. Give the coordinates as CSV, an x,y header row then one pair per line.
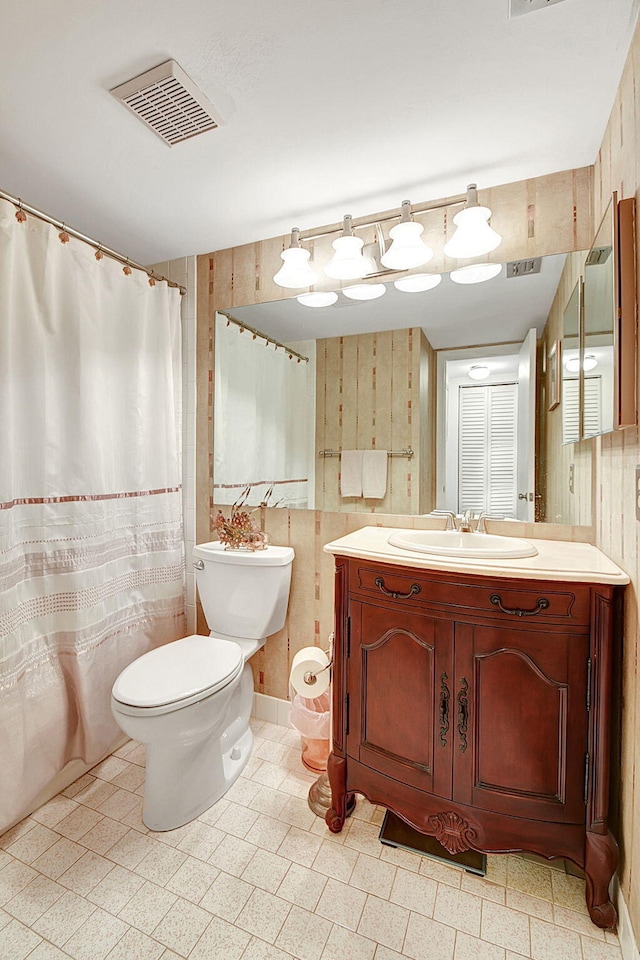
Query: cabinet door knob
x,y
415,588
444,709
463,714
542,604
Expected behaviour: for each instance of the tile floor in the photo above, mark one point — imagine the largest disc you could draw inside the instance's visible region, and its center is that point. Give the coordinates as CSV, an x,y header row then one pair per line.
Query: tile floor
x,y
259,877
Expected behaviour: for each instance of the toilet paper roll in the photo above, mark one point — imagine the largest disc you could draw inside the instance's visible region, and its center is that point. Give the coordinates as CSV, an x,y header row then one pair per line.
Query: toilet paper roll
x,y
310,660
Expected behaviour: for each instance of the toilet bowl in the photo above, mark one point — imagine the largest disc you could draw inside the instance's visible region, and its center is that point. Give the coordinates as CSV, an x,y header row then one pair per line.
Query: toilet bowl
x,y
190,701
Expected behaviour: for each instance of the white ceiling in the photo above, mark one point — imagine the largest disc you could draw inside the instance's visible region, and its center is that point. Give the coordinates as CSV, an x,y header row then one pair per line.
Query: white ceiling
x,y
331,107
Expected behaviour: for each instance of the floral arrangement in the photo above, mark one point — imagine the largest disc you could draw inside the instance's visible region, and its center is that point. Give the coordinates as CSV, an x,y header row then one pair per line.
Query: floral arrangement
x,y
241,531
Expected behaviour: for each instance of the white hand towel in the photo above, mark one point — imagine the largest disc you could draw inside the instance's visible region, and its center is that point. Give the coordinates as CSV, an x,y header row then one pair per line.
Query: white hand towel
x,y
374,474
351,473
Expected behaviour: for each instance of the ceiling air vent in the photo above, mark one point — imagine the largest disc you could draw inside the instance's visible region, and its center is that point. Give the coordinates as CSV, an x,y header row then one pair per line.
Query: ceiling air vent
x,y
524,268
168,102
517,8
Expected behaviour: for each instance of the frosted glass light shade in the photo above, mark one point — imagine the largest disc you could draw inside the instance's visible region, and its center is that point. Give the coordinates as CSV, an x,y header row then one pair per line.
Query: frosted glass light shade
x,y
480,371
476,273
347,263
418,282
573,363
365,291
295,271
408,250
473,235
319,298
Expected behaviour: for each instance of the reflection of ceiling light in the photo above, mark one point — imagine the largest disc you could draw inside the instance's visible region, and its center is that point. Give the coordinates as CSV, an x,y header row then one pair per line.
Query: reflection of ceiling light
x,y
418,282
473,235
476,273
347,262
365,291
573,363
479,371
408,250
318,299
295,272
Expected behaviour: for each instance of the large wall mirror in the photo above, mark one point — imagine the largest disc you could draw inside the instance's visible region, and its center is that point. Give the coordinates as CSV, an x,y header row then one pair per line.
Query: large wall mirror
x,y
443,385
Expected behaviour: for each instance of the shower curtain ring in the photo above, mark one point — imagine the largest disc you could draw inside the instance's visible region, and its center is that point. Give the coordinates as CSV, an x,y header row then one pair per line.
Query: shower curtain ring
x,y
127,269
99,255
63,236
20,214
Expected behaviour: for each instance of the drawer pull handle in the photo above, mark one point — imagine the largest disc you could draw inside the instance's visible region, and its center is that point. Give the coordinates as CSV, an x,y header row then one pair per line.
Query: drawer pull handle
x,y
415,588
444,709
542,604
463,714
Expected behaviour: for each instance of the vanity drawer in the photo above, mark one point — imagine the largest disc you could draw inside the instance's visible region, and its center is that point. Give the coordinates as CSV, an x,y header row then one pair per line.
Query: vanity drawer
x,y
502,599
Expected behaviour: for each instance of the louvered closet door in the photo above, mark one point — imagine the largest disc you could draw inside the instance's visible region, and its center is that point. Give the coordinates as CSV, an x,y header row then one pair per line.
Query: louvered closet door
x,y
487,448
592,424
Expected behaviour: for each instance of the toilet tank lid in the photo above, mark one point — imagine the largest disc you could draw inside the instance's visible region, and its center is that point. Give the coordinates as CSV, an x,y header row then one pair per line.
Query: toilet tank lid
x,y
271,557
178,670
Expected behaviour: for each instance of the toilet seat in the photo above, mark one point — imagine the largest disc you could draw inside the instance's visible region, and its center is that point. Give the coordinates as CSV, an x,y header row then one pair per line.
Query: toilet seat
x,y
177,674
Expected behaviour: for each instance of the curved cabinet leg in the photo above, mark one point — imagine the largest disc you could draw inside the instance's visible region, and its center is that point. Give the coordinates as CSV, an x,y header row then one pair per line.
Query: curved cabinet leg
x,y
601,860
340,799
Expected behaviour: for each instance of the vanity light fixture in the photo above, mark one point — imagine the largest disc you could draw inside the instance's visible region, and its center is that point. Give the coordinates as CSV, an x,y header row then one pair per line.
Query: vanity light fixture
x,y
408,249
295,271
476,273
473,235
347,262
572,364
365,291
318,298
479,371
418,282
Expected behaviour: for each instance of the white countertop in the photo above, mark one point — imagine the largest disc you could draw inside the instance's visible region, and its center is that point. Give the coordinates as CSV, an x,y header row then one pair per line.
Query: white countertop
x,y
556,559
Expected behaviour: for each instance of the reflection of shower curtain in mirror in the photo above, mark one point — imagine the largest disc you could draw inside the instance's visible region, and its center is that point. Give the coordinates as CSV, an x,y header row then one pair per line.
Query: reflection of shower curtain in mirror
x,y
261,412
91,565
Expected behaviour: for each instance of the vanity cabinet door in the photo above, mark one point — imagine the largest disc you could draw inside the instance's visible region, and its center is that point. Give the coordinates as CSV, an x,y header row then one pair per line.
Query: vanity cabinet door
x,y
400,670
521,721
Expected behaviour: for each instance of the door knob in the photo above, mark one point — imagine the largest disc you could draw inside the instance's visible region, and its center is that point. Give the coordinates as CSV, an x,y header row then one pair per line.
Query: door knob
x,y
525,496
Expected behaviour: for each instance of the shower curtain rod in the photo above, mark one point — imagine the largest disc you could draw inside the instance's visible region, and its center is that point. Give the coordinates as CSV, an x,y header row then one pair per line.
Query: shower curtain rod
x,y
264,336
59,224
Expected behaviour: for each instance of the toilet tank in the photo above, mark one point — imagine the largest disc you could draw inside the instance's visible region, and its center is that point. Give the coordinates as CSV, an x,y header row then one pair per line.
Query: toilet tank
x,y
244,593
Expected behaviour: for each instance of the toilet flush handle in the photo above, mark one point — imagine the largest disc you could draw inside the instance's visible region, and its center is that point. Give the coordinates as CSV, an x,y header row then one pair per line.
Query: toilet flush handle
x,y
198,564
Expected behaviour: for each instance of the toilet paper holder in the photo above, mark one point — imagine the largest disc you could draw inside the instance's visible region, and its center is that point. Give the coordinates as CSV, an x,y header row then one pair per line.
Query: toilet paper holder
x,y
311,676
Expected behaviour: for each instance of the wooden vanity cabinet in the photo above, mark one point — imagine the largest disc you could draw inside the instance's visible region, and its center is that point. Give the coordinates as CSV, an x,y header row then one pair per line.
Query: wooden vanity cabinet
x,y
478,710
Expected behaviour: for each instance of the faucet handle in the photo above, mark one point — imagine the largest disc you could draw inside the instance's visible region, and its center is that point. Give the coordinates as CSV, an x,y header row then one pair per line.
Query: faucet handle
x,y
482,526
448,514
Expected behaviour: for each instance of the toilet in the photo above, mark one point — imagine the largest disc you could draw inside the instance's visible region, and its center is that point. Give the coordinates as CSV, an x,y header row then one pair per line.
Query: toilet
x,y
190,701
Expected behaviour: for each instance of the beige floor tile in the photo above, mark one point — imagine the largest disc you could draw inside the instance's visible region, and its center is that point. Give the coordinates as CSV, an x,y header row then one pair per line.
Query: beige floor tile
x,y
304,934
364,810
470,948
160,864
401,858
47,951
302,886
569,892
263,915
17,941
237,820
384,953
103,836
296,812
243,792
138,755
458,909
535,907
335,861
268,801
78,786
273,731
414,892
227,896
341,904
549,942
530,878
33,843
13,878
343,944
131,849
192,879
131,778
61,920
505,927
182,926
428,940
373,876
259,950
497,864
109,768
96,937
34,900
267,832
14,833
59,858
579,922
115,891
220,941
201,840
300,846
135,945
482,887
133,818
384,922
94,793
597,950
147,907
296,783
272,751
233,855
364,837
5,858
269,774
54,811
266,870
320,829
118,804
85,873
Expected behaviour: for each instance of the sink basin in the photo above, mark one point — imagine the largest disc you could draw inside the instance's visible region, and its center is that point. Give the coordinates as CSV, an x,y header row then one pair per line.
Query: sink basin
x,y
453,543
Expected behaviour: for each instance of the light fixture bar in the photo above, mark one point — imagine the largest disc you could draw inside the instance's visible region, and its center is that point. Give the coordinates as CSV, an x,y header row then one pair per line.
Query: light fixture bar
x,y
263,336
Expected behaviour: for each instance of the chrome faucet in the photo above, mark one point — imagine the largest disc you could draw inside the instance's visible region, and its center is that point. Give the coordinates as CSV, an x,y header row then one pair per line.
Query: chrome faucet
x,y
482,525
465,522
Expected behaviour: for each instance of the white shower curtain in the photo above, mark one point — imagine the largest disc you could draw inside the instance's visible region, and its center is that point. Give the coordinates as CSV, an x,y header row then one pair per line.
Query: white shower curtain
x,y
91,556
